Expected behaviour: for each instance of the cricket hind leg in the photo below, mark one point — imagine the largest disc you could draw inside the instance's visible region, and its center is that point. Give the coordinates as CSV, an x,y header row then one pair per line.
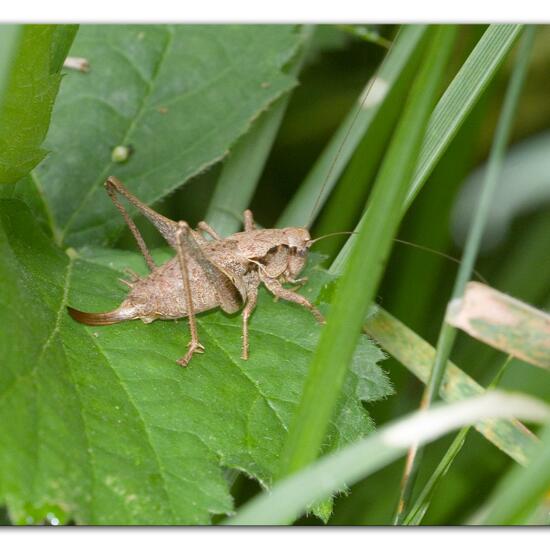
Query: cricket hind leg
x,y
277,289
229,296
194,345
111,191
165,226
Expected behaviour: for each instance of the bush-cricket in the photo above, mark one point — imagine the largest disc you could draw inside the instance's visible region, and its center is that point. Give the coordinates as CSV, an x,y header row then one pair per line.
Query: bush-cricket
x,y
206,274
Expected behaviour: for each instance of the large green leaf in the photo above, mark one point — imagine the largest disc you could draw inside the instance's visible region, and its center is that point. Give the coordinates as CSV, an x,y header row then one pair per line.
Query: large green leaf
x,y
102,424
32,59
177,97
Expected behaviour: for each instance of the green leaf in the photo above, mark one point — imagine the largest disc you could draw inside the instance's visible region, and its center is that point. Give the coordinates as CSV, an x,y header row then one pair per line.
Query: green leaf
x,y
243,168
178,97
10,38
102,423
29,191
28,86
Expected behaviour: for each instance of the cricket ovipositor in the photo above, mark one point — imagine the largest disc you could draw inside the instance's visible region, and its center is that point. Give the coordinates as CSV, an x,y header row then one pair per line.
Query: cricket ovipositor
x,y
206,274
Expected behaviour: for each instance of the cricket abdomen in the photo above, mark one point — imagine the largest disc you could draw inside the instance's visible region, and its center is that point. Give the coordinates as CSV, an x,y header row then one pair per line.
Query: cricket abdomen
x,y
158,296
161,295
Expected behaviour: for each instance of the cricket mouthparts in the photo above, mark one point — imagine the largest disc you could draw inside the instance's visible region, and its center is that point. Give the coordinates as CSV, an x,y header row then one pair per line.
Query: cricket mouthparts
x,y
98,319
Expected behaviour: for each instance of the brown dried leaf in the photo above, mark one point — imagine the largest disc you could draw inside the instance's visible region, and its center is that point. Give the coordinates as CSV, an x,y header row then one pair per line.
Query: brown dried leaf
x,y
503,322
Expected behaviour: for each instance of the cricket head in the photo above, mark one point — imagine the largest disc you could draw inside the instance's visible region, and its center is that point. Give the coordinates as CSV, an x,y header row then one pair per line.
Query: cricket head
x,y
283,252
298,240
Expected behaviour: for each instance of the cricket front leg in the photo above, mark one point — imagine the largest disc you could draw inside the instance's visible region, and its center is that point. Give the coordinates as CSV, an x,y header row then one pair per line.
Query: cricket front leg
x,y
194,345
277,289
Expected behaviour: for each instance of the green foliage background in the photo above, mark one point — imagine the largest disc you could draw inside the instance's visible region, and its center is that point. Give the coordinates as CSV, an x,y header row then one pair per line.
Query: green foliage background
x,y
100,425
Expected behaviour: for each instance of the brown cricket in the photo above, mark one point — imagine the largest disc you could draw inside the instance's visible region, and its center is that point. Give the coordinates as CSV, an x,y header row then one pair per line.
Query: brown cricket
x,y
206,274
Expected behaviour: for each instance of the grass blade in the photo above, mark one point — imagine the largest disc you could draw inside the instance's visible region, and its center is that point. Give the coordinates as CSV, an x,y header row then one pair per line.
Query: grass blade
x,y
420,507
503,322
496,159
322,178
522,489
453,108
526,161
360,280
292,496
243,168
510,436
367,34
347,201
460,97
447,333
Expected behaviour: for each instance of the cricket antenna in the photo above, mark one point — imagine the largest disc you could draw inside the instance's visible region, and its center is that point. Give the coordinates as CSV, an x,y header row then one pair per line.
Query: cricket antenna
x,y
313,241
443,255
409,243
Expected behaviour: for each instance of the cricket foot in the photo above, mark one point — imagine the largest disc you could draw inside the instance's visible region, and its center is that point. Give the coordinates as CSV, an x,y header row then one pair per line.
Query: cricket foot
x,y
194,347
318,315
